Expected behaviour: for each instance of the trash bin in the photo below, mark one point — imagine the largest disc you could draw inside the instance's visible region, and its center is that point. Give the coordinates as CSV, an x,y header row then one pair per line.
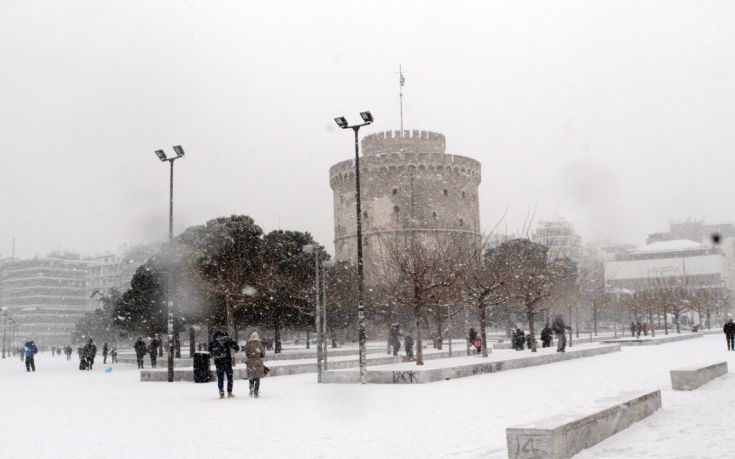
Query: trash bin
x,y
201,367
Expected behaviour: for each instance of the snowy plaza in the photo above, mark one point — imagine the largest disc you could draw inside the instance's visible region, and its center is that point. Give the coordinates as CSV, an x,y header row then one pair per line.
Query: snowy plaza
x,y
68,413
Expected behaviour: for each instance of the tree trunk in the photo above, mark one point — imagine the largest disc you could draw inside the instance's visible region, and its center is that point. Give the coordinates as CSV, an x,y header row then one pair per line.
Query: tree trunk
x,y
594,316
666,322
439,339
277,338
230,324
192,341
419,347
676,318
530,316
308,338
483,326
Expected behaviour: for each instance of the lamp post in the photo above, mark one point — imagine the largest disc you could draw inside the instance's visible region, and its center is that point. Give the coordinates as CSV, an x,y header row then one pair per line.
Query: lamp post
x,y
367,118
325,337
5,320
313,248
170,322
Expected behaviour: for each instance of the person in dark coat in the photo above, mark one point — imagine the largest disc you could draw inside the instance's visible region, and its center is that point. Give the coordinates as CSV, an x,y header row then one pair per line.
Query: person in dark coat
x,y
256,369
113,354
90,352
105,351
68,352
220,348
638,328
559,328
546,336
632,329
408,343
140,349
519,339
395,338
729,330
30,352
153,351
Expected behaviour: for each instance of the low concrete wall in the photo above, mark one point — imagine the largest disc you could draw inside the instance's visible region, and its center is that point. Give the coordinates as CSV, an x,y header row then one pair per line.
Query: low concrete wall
x,y
691,378
563,436
415,375
659,339
308,366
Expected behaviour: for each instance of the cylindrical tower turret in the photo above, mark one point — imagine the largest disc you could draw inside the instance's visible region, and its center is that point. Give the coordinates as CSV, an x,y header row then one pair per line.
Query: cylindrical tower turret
x,y
408,183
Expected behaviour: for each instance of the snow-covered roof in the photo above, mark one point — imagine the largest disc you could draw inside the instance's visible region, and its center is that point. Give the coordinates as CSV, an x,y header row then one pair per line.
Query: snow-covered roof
x,y
678,245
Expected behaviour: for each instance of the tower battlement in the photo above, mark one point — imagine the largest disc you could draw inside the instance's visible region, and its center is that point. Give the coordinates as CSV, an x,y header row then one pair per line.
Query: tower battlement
x,y
403,142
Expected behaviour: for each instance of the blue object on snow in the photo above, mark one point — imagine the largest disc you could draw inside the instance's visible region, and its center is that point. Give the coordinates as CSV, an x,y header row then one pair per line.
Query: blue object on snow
x,y
108,370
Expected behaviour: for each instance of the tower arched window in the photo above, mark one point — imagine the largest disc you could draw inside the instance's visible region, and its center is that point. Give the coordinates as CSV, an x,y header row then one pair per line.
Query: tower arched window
x,y
395,191
445,192
461,222
396,209
433,215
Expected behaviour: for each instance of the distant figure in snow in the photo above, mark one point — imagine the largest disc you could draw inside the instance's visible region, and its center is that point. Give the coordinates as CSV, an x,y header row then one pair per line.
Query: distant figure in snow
x,y
638,328
219,348
395,338
153,351
546,336
632,329
53,351
477,343
113,354
90,352
518,339
105,351
559,328
408,343
68,351
644,327
30,351
729,330
140,349
254,353
471,336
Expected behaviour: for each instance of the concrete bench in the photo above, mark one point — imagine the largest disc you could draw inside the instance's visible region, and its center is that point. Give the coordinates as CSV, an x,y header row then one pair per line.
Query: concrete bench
x,y
690,378
412,374
659,339
563,436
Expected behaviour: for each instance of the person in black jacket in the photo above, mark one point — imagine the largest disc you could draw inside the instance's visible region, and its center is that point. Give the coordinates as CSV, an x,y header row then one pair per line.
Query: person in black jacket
x,y
408,343
546,336
559,328
139,347
153,351
220,349
729,330
90,352
105,351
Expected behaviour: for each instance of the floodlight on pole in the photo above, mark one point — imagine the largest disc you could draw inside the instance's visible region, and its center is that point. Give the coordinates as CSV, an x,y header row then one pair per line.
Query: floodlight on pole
x,y
326,266
170,313
367,117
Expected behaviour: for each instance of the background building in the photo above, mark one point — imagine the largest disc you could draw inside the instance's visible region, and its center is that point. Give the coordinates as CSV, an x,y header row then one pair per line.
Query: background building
x,y
46,296
408,183
561,239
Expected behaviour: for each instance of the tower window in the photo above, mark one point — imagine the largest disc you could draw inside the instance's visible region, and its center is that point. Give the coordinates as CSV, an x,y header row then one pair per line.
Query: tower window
x,y
433,215
364,214
461,222
395,191
396,209
463,194
446,192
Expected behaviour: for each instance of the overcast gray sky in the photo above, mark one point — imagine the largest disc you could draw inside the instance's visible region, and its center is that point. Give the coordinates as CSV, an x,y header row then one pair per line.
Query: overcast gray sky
x,y
617,116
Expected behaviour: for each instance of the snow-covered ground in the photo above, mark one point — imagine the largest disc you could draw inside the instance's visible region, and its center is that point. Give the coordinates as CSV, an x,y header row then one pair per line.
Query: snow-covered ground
x,y
61,412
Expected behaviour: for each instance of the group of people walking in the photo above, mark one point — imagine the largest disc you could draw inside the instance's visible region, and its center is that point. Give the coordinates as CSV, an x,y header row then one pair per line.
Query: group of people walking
x,y
636,327
222,347
141,349
87,354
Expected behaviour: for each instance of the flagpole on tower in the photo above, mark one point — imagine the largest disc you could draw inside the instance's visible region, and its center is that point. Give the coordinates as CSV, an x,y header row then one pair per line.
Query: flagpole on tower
x,y
403,81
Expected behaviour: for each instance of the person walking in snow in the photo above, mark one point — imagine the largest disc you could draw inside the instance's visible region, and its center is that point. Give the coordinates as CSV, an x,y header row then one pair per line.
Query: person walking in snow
x,y
638,328
220,349
90,352
68,351
153,352
559,328
408,343
30,351
729,330
395,338
255,353
105,351
546,336
113,354
140,350
632,329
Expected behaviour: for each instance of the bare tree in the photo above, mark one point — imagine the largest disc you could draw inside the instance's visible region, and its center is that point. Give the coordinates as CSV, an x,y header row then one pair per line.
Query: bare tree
x,y
420,269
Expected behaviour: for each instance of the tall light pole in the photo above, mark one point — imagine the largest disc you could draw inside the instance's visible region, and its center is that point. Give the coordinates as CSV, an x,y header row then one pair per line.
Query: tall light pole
x,y
313,248
5,320
325,338
367,118
170,313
